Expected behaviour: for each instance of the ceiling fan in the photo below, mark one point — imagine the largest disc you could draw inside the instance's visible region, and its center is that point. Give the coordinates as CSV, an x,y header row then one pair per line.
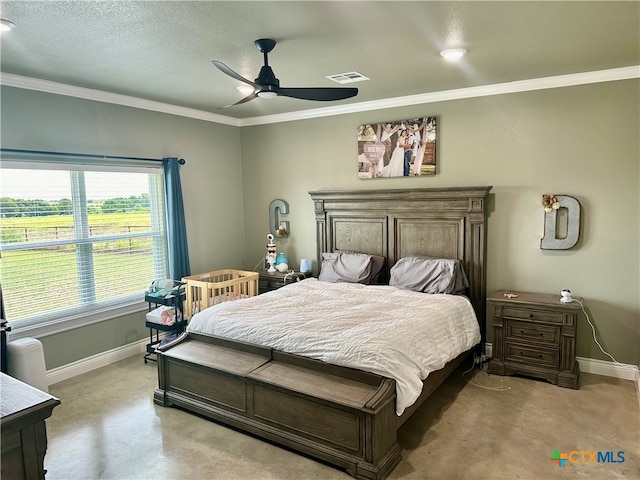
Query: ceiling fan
x,y
268,86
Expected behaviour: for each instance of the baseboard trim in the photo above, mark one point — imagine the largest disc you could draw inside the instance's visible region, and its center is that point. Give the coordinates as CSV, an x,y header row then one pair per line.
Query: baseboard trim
x,y
103,359
609,369
55,375
598,367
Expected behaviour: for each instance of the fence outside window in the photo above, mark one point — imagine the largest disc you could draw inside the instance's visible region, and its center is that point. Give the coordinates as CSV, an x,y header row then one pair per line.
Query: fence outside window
x,y
78,238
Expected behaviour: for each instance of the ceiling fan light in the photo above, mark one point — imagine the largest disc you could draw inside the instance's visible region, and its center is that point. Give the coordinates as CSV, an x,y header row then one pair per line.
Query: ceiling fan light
x,y
453,54
6,25
267,94
246,89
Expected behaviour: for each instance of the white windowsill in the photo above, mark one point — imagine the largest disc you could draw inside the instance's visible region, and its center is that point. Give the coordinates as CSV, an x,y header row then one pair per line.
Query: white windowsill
x,y
71,322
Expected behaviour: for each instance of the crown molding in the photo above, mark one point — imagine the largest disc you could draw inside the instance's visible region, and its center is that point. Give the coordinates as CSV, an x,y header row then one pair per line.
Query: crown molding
x,y
29,83
624,73
558,81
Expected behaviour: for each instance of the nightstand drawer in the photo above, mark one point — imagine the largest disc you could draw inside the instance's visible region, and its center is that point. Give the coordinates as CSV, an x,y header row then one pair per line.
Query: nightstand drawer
x,y
534,315
532,355
531,332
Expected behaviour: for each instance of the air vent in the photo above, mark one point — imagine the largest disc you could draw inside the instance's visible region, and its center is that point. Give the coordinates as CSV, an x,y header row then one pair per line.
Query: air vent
x,y
349,77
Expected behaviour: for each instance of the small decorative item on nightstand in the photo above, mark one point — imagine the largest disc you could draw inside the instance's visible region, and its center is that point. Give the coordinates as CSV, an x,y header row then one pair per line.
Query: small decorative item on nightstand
x,y
305,265
282,264
270,259
534,334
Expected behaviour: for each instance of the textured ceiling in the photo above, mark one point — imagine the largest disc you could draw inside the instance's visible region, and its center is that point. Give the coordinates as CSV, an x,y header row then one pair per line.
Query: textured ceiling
x,y
162,51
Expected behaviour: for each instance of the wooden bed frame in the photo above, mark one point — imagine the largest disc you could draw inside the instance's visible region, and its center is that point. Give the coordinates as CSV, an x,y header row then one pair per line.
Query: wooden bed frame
x,y
340,415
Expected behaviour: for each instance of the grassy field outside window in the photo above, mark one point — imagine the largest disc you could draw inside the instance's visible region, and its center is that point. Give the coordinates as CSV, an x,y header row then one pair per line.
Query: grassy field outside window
x,y
77,239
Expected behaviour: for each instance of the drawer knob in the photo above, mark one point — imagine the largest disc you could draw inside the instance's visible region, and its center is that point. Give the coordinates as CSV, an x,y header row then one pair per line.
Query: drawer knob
x,y
531,334
539,357
531,315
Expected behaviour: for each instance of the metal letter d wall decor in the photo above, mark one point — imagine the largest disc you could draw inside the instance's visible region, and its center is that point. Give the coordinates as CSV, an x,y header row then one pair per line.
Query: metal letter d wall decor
x,y
560,234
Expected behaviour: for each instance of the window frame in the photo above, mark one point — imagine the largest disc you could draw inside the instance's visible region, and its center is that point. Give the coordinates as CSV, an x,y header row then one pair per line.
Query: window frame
x,y
88,311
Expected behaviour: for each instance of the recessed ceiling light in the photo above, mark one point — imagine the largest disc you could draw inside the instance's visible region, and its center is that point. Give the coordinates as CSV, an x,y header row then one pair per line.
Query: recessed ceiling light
x,y
6,25
453,54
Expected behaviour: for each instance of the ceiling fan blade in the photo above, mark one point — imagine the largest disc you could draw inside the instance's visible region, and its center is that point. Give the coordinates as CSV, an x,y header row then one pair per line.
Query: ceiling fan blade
x,y
267,85
232,74
244,100
322,94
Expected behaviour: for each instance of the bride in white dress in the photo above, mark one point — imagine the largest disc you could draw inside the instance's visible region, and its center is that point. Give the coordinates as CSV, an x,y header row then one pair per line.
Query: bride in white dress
x,y
395,167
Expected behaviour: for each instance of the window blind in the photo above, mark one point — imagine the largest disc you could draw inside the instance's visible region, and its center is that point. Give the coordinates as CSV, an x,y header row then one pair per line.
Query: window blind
x,y
78,238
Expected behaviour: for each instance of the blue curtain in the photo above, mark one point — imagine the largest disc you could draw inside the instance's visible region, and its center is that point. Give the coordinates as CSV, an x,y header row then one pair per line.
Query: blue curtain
x,y
177,230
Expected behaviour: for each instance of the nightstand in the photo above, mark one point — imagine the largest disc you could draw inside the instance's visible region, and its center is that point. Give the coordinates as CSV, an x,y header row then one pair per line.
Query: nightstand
x,y
534,334
273,281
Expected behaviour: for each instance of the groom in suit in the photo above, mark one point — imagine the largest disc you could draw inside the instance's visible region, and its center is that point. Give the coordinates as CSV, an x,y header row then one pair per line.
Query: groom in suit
x,y
408,152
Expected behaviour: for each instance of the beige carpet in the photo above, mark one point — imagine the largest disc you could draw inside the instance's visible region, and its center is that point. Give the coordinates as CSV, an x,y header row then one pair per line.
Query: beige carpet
x,y
108,427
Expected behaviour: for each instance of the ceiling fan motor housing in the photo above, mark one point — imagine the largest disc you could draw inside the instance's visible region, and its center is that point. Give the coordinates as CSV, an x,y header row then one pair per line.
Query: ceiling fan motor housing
x,y
267,78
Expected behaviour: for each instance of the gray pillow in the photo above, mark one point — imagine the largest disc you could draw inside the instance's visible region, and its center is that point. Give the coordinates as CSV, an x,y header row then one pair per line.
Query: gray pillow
x,y
429,275
377,262
345,267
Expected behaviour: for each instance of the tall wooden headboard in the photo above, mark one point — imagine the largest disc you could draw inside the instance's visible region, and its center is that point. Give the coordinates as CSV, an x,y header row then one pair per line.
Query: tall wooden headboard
x,y
437,222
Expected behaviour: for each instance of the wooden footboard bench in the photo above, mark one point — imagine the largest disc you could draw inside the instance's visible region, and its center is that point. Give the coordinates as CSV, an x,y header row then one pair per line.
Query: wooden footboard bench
x,y
343,416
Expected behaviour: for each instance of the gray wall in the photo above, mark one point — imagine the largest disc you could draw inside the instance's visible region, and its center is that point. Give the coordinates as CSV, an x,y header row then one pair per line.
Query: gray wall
x,y
580,141
211,179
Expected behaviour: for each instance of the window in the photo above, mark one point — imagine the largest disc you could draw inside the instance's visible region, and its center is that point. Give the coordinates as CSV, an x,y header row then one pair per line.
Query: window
x,y
78,239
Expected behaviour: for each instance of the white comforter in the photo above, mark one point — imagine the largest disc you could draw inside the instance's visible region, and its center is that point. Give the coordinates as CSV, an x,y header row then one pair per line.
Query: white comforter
x,y
395,333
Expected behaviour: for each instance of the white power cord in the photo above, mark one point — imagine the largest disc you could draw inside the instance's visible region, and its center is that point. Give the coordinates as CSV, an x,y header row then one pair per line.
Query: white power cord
x,y
255,269
593,330
474,380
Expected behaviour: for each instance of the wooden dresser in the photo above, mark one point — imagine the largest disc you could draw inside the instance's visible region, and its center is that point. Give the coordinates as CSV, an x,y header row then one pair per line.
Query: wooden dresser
x,y
24,436
534,334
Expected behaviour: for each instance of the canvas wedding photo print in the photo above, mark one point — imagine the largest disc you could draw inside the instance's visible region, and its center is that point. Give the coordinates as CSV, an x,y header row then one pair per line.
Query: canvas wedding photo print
x,y
402,148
